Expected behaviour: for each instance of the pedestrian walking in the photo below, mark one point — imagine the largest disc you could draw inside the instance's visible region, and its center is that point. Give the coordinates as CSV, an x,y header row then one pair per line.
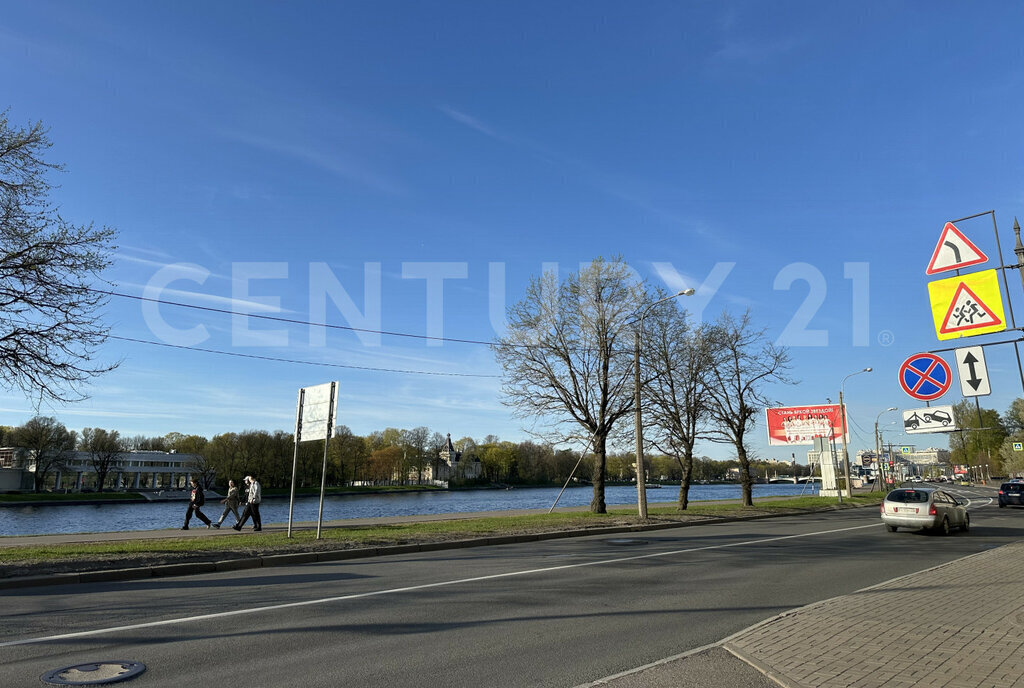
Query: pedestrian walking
x,y
196,500
230,505
252,506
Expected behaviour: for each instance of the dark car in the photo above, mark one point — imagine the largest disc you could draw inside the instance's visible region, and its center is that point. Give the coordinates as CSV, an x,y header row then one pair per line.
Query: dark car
x,y
1011,493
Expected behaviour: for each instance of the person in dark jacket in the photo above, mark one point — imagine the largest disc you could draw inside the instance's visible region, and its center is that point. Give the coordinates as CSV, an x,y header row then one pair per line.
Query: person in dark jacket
x,y
194,503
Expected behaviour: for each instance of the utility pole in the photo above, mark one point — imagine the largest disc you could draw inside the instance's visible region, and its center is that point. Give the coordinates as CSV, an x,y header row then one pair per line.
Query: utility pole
x,y
842,412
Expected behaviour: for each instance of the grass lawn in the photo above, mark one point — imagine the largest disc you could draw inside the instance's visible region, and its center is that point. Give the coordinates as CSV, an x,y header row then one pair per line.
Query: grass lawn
x,y
252,544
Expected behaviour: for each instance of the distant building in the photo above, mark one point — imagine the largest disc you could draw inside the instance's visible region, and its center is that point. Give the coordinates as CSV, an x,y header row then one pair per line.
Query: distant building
x,y
449,465
134,470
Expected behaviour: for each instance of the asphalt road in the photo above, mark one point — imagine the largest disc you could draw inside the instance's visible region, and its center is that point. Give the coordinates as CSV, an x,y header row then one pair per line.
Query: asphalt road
x,y
551,613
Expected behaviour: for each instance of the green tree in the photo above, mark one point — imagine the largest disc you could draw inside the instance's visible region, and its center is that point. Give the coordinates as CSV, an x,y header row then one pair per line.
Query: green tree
x,y
50,327
48,444
566,358
499,461
104,448
977,444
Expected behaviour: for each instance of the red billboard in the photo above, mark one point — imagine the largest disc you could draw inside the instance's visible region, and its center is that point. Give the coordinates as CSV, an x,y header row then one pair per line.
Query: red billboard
x,y
801,424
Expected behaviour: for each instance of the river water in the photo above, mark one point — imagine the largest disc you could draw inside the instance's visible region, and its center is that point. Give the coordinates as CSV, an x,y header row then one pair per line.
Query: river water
x,y
113,517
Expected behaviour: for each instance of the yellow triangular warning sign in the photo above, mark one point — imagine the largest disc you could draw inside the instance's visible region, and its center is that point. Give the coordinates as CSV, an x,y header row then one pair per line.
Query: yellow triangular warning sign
x,y
954,251
968,312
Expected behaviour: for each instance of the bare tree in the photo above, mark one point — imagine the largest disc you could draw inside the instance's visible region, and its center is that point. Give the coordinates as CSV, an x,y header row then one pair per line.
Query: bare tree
x,y
677,366
416,441
50,329
48,443
746,360
564,365
104,449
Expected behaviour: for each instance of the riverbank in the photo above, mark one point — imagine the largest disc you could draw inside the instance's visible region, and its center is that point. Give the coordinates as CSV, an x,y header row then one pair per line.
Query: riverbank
x,y
99,498
51,555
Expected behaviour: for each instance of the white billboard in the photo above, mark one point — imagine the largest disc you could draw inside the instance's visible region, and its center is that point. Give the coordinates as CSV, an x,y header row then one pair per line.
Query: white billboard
x,y
318,407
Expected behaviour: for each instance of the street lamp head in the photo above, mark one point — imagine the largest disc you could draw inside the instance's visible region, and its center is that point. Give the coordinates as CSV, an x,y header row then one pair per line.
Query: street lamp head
x,y
687,292
868,369
892,408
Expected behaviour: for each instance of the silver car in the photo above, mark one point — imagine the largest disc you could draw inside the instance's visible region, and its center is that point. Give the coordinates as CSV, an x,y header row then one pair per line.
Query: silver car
x,y
924,507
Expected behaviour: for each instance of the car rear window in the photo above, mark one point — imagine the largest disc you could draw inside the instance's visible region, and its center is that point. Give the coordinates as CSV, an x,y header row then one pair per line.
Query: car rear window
x,y
911,496
1012,487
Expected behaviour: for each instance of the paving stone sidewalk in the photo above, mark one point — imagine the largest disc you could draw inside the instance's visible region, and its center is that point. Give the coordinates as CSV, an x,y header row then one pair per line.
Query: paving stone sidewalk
x,y
959,625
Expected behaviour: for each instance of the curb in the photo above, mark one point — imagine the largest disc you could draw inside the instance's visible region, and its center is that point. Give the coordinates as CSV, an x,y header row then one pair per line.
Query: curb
x,y
273,560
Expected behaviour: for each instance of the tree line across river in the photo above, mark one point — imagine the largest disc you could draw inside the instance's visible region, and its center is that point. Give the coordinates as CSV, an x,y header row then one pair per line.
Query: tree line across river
x,y
389,456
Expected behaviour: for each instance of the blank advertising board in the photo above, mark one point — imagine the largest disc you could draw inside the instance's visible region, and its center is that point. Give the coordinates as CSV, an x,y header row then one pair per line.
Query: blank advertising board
x,y
317,410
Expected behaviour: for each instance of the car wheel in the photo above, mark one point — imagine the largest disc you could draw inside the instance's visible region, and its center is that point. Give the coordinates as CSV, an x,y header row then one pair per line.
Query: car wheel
x,y
967,523
891,529
944,526
1001,505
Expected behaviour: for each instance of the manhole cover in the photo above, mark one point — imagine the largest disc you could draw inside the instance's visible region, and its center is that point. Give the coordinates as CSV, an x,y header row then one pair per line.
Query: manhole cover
x,y
94,674
627,541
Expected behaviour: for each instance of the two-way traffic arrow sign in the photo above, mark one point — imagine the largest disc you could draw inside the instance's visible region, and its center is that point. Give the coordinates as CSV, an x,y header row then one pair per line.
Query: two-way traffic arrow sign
x,y
970,365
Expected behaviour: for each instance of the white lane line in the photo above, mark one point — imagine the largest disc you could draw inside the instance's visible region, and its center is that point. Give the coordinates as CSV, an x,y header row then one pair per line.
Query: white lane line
x,y
411,588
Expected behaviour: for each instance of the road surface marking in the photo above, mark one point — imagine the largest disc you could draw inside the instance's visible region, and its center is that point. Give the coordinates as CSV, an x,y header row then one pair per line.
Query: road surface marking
x,y
411,588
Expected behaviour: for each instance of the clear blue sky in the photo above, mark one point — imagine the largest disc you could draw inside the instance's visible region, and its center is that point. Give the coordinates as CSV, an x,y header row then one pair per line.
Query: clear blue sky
x,y
767,154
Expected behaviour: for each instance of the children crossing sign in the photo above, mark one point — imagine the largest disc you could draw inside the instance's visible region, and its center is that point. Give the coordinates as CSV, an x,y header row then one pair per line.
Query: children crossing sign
x,y
967,305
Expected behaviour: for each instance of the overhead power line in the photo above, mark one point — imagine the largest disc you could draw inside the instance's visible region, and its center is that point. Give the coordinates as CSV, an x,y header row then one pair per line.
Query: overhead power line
x,y
291,321
291,360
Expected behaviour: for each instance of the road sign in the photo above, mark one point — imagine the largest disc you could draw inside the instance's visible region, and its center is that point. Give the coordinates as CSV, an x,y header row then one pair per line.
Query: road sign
x,y
954,251
970,365
925,376
967,305
1018,446
932,419
904,450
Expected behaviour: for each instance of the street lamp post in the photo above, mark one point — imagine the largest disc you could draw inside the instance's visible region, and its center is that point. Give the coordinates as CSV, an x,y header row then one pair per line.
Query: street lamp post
x,y
878,449
641,476
842,410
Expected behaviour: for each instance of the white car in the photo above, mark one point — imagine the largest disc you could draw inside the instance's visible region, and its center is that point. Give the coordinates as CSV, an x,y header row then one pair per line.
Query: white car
x,y
924,507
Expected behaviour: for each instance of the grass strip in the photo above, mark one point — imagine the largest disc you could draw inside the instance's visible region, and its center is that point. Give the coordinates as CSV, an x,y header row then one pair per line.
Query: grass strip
x,y
342,537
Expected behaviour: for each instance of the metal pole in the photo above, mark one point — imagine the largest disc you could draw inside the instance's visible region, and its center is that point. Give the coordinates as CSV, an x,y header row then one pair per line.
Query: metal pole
x,y
582,456
327,441
878,456
641,476
846,456
835,467
295,459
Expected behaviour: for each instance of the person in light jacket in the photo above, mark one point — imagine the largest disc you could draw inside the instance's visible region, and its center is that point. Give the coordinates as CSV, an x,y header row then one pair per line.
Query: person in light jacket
x,y
230,504
252,506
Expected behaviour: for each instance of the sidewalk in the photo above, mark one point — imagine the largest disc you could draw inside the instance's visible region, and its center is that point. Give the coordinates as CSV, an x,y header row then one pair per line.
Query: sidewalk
x,y
958,625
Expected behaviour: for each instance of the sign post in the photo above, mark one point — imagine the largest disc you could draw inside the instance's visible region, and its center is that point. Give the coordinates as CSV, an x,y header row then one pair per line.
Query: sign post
x,y
314,420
